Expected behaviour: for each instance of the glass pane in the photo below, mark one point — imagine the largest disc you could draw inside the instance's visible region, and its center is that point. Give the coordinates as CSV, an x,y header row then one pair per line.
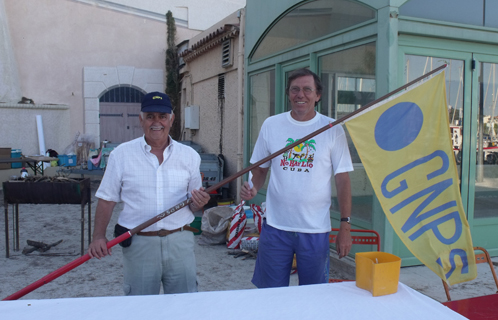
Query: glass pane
x,y
458,11
122,94
416,66
348,79
262,104
310,21
486,187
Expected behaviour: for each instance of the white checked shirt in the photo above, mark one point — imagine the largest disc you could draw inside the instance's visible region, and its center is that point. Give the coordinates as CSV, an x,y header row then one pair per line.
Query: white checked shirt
x,y
133,175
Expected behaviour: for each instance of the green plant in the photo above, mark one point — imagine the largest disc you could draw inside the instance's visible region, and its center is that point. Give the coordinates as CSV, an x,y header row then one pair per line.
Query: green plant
x,y
173,74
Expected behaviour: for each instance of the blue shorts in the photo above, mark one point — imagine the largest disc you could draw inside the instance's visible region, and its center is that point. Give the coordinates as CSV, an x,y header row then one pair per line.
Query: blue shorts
x,y
276,251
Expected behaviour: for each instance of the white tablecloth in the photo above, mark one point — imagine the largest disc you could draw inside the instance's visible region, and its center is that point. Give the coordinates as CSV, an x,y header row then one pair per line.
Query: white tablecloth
x,y
317,302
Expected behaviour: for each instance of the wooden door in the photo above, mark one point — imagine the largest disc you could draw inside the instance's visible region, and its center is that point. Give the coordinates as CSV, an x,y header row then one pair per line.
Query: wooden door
x,y
119,122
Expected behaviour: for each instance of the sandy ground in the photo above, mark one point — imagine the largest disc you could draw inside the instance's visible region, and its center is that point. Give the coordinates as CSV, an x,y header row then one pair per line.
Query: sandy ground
x,y
216,269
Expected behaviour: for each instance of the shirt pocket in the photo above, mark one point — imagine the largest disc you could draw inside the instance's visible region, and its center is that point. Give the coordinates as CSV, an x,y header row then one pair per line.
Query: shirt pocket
x,y
177,180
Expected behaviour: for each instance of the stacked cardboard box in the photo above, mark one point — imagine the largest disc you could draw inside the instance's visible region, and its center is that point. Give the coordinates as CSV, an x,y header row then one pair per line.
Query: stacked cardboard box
x,y
5,154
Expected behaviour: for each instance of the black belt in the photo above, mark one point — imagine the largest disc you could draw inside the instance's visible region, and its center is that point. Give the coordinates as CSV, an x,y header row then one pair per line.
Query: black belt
x,y
164,233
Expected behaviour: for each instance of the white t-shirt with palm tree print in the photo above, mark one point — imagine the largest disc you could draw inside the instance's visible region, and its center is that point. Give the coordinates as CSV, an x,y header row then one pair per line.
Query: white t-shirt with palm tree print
x,y
300,188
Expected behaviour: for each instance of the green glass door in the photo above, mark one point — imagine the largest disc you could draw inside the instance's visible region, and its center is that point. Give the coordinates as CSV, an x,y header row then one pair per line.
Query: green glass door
x,y
458,75
472,94
483,177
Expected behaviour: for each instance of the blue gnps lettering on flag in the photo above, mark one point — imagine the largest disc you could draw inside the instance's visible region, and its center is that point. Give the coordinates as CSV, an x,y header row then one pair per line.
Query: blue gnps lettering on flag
x,y
405,147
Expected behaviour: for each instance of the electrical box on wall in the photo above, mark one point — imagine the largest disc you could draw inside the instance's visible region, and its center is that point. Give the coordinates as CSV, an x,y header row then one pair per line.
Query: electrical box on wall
x,y
192,117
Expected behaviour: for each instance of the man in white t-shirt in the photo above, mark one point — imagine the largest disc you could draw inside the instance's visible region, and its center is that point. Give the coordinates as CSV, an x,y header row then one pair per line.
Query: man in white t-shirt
x,y
299,192
150,175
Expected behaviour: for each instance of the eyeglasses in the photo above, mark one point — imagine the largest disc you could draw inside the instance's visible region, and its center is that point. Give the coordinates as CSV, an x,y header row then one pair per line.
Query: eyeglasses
x,y
296,90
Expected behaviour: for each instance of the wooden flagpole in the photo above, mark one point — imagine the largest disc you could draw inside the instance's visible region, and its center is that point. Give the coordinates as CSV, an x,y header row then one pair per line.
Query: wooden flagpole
x,y
57,273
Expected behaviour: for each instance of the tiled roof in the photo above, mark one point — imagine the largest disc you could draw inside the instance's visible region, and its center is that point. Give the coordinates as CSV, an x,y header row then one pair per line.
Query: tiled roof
x,y
211,40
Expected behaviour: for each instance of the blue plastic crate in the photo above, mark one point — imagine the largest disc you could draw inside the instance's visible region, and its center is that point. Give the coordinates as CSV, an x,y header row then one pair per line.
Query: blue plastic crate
x,y
62,160
16,153
249,214
67,160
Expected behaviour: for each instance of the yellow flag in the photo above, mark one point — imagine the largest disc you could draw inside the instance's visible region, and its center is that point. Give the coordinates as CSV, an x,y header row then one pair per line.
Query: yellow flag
x,y
405,146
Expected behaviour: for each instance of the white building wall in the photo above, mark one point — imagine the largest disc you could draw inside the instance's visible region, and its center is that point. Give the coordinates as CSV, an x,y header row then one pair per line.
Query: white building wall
x,y
9,77
58,45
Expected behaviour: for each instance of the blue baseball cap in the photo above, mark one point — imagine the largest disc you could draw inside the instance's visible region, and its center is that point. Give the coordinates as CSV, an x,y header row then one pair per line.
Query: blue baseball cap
x,y
156,102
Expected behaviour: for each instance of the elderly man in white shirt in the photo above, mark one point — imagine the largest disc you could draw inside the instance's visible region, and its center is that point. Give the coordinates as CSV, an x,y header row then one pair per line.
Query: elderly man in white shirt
x,y
149,175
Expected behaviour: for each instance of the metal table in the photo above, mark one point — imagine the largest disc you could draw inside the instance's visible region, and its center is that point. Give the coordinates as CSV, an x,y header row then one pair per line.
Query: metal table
x,y
33,162
36,163
68,171
22,192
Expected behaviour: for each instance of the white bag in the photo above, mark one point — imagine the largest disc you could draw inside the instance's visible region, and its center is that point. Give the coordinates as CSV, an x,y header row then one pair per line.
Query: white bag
x,y
237,227
214,225
259,214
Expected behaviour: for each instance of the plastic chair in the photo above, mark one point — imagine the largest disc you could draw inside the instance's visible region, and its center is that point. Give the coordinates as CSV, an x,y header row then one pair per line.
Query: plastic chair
x,y
373,239
480,258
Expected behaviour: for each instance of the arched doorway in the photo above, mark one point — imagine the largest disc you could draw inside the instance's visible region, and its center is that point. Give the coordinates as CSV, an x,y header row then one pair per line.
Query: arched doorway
x,y
119,111
98,81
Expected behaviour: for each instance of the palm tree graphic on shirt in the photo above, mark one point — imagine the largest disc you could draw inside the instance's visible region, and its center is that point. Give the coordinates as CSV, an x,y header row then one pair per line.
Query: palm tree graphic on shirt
x,y
297,153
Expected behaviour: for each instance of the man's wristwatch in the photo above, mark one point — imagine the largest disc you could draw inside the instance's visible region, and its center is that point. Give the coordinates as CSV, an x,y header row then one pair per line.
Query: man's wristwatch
x,y
348,220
